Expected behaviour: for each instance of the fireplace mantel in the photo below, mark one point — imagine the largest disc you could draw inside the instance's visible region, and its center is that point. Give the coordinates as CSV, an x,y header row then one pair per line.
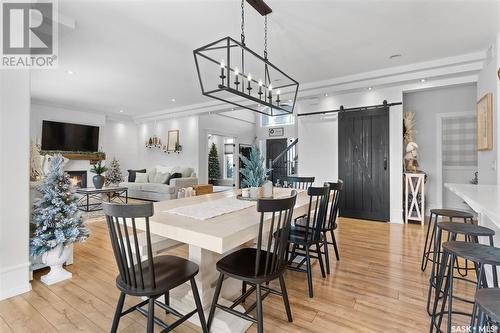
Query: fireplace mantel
x,y
92,157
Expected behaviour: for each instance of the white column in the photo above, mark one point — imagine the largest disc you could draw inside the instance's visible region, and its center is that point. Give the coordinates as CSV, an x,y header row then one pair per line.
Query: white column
x,y
14,182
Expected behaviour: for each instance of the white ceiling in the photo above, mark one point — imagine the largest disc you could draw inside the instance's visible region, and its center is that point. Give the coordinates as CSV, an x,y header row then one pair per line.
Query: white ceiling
x,y
137,55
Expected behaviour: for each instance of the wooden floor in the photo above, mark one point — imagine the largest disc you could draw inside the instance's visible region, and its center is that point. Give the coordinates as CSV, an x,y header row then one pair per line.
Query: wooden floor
x,y
377,286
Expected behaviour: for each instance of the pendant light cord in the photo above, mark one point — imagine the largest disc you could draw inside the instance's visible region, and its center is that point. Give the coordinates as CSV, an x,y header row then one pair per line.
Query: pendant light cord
x,y
265,37
243,22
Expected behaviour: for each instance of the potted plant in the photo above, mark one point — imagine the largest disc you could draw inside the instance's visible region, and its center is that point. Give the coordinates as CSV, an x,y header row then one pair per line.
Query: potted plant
x,y
98,179
253,172
57,222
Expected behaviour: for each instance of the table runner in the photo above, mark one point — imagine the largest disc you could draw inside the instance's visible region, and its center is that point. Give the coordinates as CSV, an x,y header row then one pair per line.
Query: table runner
x,y
210,209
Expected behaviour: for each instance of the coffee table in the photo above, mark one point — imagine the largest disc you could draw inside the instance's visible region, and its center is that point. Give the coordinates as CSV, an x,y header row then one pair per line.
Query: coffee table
x,y
111,192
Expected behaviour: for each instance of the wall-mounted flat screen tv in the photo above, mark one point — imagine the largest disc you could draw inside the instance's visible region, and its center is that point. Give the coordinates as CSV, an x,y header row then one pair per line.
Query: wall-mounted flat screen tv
x,y
69,137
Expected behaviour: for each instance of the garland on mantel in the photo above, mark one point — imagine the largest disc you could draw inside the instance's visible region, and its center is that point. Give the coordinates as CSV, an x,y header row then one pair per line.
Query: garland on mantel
x,y
95,155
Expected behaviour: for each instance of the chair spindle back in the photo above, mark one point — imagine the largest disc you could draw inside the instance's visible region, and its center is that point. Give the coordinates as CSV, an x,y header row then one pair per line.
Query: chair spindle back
x,y
300,183
316,216
271,257
120,219
335,191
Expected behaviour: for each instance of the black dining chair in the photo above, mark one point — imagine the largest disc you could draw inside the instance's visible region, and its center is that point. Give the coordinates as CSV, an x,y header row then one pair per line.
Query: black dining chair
x,y
256,267
331,222
300,183
306,234
149,278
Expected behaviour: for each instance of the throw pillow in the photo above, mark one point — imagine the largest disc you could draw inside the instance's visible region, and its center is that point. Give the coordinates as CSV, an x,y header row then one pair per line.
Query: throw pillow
x,y
172,176
141,177
132,174
161,177
151,173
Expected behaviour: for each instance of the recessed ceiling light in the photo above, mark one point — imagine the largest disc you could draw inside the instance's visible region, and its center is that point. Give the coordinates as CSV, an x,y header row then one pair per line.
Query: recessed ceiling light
x,y
394,56
232,109
121,111
370,88
173,99
326,94
423,80
70,72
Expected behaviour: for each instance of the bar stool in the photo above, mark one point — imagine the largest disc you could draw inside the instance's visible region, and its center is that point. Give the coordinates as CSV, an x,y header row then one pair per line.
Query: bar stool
x,y
481,255
471,233
436,213
486,308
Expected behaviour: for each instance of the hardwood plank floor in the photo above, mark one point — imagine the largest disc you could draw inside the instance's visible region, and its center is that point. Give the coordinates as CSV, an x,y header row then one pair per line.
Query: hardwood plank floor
x,y
377,286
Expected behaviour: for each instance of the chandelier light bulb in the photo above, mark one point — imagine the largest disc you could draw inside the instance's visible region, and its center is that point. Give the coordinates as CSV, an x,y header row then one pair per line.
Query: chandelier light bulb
x,y
260,83
222,63
270,87
278,92
249,77
236,71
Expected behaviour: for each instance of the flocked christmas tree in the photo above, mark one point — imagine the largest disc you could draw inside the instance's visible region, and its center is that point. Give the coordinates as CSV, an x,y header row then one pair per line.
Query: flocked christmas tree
x,y
213,164
56,217
253,171
114,174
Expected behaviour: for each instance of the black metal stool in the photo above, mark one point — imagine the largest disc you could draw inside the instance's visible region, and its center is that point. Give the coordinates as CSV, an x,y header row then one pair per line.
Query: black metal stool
x,y
486,310
436,213
471,233
481,255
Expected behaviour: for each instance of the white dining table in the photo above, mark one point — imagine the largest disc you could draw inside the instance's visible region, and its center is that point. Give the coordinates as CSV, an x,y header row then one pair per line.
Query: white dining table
x,y
208,240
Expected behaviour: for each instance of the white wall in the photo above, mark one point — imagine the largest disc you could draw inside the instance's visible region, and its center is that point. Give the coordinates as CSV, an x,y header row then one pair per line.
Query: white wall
x,y
428,105
318,132
14,182
315,143
117,137
488,83
188,138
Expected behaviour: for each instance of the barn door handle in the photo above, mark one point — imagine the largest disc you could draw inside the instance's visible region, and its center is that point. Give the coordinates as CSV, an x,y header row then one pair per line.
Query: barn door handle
x,y
385,163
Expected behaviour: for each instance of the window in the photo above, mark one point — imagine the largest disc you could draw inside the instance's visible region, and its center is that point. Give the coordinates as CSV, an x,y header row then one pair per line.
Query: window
x,y
228,158
459,141
286,119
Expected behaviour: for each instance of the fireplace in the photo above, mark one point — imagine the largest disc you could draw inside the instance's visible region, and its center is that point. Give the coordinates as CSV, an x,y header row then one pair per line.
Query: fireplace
x,y
78,178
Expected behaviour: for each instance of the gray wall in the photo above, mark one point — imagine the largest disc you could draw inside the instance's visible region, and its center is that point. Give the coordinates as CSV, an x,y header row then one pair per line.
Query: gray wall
x,y
427,105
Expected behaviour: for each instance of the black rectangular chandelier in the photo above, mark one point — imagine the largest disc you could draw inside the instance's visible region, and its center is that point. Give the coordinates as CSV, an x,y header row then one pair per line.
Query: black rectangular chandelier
x,y
231,72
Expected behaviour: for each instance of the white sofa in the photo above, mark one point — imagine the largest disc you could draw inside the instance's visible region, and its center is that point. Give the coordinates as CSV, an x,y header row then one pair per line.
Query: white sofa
x,y
155,191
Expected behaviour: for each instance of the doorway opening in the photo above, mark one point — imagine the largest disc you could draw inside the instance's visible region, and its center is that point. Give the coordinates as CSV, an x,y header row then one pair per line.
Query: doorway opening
x,y
221,162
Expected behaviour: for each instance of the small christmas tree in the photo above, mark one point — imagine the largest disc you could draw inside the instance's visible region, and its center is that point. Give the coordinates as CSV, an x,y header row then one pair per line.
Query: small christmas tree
x,y
114,174
213,165
56,217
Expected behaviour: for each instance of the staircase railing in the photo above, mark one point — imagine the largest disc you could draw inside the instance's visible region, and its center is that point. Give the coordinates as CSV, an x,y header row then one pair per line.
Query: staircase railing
x,y
285,164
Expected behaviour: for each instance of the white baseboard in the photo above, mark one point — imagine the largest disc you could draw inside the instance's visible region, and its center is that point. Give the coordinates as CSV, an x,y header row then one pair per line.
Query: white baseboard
x,y
14,280
396,216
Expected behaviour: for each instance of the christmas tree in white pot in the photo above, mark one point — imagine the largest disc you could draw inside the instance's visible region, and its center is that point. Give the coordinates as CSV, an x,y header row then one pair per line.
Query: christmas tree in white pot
x,y
57,222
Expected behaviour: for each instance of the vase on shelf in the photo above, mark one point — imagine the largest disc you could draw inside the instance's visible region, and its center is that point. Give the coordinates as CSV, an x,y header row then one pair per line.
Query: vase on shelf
x,y
55,258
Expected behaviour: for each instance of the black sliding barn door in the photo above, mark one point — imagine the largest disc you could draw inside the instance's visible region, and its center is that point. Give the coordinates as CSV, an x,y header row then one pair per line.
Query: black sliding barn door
x,y
364,163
